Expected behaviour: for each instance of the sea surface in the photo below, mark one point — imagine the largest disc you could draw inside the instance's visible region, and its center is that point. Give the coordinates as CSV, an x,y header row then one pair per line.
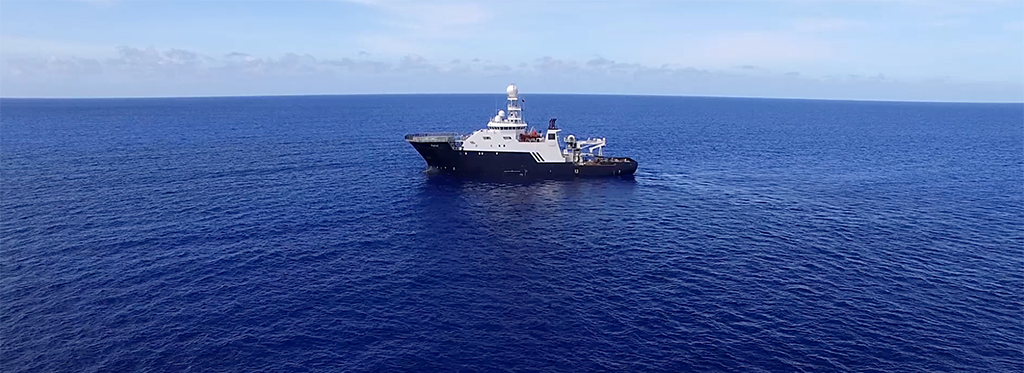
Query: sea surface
x,y
301,234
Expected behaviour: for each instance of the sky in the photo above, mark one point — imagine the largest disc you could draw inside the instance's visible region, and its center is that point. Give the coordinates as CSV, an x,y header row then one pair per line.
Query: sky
x,y
903,50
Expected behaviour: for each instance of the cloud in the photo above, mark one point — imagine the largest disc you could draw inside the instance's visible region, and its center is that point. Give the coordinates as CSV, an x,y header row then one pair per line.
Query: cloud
x,y
497,68
150,71
827,25
359,66
35,47
180,63
437,19
600,61
548,64
776,50
765,47
946,23
412,62
151,61
408,27
55,67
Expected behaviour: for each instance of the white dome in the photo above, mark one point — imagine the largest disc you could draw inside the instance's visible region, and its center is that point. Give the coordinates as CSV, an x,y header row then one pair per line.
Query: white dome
x,y
501,113
512,90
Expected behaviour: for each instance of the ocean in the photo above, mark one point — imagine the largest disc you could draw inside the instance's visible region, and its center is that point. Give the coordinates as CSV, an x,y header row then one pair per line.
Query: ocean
x,y
301,234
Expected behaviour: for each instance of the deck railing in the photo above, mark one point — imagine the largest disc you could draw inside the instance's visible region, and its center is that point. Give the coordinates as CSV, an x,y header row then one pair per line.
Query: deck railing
x,y
433,137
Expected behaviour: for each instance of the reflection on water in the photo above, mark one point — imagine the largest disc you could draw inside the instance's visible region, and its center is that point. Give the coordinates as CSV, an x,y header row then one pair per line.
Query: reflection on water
x,y
505,207
780,234
519,191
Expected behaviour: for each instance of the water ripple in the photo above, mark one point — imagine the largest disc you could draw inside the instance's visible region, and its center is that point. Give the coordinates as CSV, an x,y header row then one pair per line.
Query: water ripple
x,y
207,235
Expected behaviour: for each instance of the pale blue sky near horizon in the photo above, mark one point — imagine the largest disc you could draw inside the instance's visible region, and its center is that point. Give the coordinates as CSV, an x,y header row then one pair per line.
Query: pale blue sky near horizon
x,y
915,50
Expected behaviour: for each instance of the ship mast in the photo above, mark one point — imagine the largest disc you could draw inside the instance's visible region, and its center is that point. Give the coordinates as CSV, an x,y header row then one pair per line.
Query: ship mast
x,y
515,111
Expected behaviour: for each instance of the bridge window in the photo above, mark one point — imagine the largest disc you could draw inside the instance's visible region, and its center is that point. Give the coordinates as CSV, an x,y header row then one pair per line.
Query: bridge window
x,y
551,136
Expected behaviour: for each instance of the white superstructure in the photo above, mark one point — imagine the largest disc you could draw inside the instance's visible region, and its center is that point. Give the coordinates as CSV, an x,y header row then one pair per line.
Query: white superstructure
x,y
507,132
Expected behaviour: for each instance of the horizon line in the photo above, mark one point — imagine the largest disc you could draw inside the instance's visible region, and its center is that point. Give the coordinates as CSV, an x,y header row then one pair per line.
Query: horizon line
x,y
491,93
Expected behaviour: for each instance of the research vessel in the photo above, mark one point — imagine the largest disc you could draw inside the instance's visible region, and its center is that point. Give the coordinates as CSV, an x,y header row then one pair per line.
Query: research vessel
x,y
508,148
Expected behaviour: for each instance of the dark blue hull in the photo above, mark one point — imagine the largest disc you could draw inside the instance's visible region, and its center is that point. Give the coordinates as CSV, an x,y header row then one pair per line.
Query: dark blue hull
x,y
442,157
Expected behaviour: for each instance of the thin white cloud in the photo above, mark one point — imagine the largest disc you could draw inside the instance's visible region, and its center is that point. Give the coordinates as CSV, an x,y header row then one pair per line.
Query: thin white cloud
x,y
946,23
392,45
732,49
827,25
421,27
436,19
151,71
411,23
19,46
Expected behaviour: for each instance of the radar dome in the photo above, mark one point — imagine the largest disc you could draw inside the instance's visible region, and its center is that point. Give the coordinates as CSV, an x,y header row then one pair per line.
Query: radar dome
x,y
501,113
512,90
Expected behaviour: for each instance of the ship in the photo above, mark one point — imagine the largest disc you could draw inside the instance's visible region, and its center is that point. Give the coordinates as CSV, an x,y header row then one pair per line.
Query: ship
x,y
507,148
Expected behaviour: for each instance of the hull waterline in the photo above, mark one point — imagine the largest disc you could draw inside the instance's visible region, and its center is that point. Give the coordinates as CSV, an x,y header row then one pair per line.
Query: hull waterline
x,y
440,156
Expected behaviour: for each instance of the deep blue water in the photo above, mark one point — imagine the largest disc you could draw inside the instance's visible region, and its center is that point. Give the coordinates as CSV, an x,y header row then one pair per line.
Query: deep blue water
x,y
301,234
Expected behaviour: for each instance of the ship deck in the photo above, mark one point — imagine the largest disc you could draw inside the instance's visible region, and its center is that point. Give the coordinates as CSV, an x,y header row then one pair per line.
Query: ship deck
x,y
433,137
